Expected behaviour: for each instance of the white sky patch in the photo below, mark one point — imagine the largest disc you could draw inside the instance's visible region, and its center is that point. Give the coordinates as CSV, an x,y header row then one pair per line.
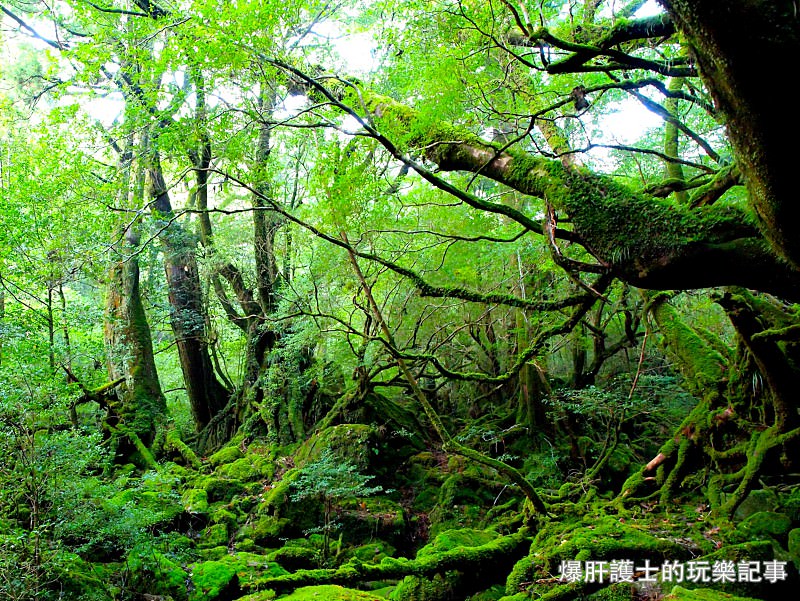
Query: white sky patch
x,y
627,122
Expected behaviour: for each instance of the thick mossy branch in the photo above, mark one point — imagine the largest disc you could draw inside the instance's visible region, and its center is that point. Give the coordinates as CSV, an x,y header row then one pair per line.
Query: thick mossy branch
x,y
175,443
701,364
648,242
461,558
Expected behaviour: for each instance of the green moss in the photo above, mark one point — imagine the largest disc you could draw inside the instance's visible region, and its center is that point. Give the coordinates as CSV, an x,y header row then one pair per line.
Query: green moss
x,y
413,588
195,500
452,539
615,592
221,515
227,454
213,579
155,573
350,442
266,530
794,544
231,575
213,553
215,535
681,594
520,575
219,489
247,468
294,557
765,523
330,592
373,552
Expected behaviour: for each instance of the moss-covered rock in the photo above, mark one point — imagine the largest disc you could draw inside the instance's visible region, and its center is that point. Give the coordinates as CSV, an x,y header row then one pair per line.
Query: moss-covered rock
x,y
248,468
265,531
195,500
218,488
414,588
353,443
227,454
231,576
215,535
794,544
373,552
756,501
294,557
766,523
326,592
152,572
361,519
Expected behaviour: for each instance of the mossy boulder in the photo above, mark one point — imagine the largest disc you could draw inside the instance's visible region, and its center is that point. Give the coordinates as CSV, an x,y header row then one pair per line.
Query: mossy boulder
x,y
414,588
794,544
265,530
218,488
215,535
766,523
609,538
326,592
155,573
756,501
373,552
378,516
353,443
231,576
227,454
452,539
248,468
195,500
300,515
295,557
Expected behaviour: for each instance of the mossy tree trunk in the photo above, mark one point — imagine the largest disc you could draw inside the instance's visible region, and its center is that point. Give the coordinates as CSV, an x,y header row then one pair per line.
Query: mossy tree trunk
x,y
127,333
741,50
207,395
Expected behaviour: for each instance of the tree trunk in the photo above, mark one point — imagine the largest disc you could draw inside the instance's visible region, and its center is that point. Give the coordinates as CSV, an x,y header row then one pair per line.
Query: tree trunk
x,y
741,50
207,395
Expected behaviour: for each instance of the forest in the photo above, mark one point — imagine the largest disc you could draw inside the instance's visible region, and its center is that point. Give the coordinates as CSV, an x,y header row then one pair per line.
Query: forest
x,y
408,300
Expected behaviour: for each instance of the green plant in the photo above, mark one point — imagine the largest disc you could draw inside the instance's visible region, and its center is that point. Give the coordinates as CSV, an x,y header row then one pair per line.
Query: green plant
x,y
331,480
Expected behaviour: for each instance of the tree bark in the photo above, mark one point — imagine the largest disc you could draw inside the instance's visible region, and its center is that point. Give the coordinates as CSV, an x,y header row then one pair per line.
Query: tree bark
x,y
741,49
207,395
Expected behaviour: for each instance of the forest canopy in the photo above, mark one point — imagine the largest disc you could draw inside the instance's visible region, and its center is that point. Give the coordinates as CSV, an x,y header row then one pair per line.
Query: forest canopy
x,y
417,300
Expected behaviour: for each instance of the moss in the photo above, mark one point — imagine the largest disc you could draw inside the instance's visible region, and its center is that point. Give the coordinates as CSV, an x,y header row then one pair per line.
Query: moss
x,y
215,535
231,575
373,552
380,517
293,557
452,539
794,544
330,592
195,500
681,594
765,523
219,489
609,538
227,454
413,588
615,592
212,580
490,594
350,442
247,468
520,575
266,530
221,515
155,573
213,553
